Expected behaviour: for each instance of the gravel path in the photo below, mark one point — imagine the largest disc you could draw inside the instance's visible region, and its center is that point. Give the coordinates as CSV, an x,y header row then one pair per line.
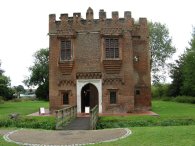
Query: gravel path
x,y
66,137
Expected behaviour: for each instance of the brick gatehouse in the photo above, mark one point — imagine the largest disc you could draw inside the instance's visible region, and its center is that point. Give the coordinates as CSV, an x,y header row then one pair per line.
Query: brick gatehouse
x,y
104,62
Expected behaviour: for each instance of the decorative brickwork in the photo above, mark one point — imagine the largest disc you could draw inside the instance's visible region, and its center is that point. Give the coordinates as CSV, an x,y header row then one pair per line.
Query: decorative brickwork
x,y
106,56
89,75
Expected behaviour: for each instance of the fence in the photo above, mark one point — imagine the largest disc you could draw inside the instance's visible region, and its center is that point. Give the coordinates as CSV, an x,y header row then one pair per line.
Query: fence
x,y
65,116
93,117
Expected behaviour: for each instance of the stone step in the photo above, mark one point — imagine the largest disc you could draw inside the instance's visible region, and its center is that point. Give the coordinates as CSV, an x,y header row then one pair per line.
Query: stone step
x,y
80,123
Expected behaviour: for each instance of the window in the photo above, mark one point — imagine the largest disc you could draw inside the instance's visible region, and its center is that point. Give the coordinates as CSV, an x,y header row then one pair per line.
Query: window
x,y
112,97
137,92
66,98
111,48
65,50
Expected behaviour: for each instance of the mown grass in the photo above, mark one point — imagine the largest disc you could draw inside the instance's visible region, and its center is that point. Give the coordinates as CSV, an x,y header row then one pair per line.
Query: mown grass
x,y
149,136
157,136
170,114
22,108
4,143
173,109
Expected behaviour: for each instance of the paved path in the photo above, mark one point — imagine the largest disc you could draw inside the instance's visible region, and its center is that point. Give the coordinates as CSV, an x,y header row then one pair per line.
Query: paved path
x,y
3,132
80,123
63,138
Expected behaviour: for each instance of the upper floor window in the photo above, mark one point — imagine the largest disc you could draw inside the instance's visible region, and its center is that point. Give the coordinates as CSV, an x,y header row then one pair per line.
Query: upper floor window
x,y
66,52
111,48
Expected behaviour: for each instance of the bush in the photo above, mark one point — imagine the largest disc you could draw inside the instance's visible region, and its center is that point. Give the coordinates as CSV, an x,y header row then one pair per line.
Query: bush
x,y
160,90
42,92
24,99
29,122
1,100
185,99
143,123
16,100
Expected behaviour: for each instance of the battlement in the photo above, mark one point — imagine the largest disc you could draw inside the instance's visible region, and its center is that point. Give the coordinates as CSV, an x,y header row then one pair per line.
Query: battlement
x,y
77,22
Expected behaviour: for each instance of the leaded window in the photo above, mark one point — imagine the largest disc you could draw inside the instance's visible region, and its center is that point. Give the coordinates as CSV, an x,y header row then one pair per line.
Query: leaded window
x,y
66,52
111,47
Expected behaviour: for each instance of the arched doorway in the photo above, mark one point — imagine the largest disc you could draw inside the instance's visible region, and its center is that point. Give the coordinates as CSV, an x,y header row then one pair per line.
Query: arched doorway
x,y
89,96
81,83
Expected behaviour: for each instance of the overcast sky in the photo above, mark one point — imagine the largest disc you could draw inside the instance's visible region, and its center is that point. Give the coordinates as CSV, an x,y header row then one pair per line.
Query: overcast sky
x,y
24,25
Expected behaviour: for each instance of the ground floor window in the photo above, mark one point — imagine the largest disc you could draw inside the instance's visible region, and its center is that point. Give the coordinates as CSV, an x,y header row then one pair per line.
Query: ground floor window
x,y
66,98
113,96
137,92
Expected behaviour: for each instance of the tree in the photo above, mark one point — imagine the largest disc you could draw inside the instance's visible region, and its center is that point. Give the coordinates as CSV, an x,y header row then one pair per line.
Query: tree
x,y
161,49
188,69
5,82
39,73
183,72
1,70
18,90
176,75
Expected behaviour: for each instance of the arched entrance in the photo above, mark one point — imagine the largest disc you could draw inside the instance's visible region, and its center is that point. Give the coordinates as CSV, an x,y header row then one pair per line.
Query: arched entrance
x,y
89,97
98,85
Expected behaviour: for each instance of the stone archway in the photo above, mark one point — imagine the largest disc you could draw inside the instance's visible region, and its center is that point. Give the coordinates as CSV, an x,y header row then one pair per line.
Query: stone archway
x,y
86,84
89,97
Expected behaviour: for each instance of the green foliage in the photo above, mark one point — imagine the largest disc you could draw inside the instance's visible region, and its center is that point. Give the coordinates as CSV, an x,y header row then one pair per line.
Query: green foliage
x,y
40,73
170,114
42,91
144,123
157,136
183,72
1,100
5,90
185,99
160,90
18,90
188,69
22,108
29,122
4,143
176,75
161,49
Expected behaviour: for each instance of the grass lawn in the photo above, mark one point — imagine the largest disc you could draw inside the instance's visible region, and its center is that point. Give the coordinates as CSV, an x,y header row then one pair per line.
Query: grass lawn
x,y
4,143
165,135
23,107
170,114
173,109
149,136
158,136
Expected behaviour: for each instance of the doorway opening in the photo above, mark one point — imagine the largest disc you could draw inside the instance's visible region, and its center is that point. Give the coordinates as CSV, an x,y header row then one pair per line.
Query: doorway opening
x,y
89,97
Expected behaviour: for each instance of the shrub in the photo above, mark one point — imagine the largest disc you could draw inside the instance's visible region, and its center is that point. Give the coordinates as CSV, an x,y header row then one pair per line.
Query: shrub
x,y
143,123
30,122
185,99
16,100
1,100
160,90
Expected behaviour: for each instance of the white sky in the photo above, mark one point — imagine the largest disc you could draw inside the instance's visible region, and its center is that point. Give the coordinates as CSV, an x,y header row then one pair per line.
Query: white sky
x,y
24,25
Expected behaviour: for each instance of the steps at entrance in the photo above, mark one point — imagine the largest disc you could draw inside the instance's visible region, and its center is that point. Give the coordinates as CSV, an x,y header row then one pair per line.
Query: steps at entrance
x,y
80,123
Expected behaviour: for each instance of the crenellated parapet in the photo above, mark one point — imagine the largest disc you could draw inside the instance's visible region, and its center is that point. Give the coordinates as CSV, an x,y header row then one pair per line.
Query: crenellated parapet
x,y
70,25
